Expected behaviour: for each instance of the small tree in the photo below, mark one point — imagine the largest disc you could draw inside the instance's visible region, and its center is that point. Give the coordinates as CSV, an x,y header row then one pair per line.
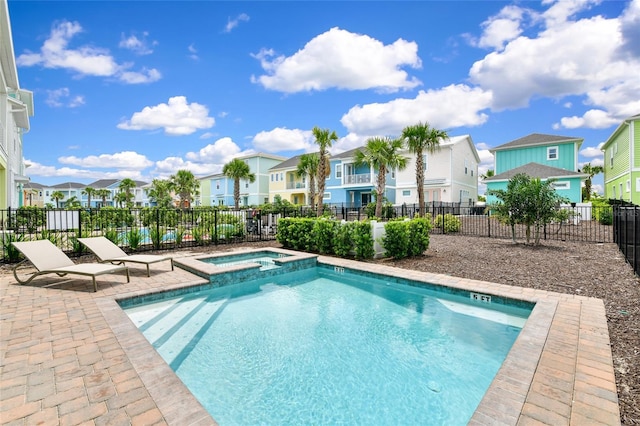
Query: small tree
x,y
324,139
185,184
89,192
529,202
103,194
591,171
308,166
237,169
126,187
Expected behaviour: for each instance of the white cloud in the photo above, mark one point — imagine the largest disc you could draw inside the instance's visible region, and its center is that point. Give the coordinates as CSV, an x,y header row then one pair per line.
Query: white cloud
x,y
140,46
593,119
232,23
177,118
221,151
193,53
62,98
37,169
84,60
502,28
449,107
566,58
592,151
171,165
344,60
120,160
283,139
351,141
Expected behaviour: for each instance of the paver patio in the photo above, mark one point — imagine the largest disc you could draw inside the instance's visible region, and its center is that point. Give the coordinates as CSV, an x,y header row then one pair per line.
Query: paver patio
x,y
71,356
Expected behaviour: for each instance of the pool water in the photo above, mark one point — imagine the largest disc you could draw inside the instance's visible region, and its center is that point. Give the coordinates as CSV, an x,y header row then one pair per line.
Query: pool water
x,y
264,258
317,347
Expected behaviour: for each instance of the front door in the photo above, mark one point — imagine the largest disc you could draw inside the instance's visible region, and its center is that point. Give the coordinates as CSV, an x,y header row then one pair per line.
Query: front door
x,y
366,198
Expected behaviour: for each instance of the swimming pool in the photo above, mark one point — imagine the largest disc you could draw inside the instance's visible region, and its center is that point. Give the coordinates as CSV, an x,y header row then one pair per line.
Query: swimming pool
x,y
265,258
331,346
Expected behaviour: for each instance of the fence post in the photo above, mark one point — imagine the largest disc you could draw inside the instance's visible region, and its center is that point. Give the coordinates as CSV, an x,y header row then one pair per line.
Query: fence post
x,y
158,227
489,223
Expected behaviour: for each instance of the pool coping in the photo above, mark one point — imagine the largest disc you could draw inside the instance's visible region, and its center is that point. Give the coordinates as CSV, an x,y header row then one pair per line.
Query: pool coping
x,y
559,370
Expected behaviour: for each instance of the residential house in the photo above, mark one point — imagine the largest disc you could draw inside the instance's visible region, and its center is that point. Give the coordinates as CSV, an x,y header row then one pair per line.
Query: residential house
x,y
33,194
110,185
450,174
622,162
68,190
285,182
217,189
354,185
540,156
16,106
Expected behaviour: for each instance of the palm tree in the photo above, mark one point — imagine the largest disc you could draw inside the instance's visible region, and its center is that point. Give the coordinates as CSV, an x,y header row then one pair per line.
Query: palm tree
x,y
324,139
185,184
237,169
381,154
121,198
308,166
89,192
420,138
591,171
160,193
103,194
126,186
488,174
57,196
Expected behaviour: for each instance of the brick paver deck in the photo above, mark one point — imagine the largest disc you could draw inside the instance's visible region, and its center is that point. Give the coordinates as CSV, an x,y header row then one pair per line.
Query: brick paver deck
x,y
70,356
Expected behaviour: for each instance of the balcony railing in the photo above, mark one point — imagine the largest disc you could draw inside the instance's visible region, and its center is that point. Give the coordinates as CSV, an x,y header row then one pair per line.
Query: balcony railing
x,y
358,178
296,185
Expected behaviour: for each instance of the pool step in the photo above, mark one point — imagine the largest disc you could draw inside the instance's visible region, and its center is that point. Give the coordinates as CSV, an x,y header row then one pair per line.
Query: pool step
x,y
174,328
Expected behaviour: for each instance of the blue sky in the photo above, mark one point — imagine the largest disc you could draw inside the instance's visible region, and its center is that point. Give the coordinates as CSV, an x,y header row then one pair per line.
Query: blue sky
x,y
142,89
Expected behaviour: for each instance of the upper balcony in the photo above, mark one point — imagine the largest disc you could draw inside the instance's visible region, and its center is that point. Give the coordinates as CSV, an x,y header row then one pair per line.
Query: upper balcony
x,y
356,179
296,185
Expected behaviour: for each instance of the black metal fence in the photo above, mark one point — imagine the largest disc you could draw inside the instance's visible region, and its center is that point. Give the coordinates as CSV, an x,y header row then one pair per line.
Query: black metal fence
x,y
144,229
626,230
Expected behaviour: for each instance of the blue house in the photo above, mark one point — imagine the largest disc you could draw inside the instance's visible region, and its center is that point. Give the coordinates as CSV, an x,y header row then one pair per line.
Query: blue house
x,y
354,186
539,156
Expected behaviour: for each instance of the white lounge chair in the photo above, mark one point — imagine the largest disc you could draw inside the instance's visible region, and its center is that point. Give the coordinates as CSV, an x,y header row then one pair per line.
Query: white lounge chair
x,y
106,251
49,259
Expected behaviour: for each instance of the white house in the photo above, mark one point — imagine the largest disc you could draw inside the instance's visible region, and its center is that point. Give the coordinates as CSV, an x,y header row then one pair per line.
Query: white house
x,y
450,174
16,106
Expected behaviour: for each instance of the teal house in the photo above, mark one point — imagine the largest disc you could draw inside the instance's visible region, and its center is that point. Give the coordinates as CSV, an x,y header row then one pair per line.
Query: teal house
x,y
539,156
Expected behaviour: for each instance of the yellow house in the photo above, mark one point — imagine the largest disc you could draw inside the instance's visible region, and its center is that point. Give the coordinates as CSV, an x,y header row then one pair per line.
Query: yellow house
x,y
285,182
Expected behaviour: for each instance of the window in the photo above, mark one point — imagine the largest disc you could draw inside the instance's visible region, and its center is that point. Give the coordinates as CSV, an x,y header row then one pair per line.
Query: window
x,y
277,177
613,191
424,162
246,184
339,171
326,196
406,193
611,158
393,174
628,185
466,167
282,176
561,185
621,190
47,193
637,184
472,172
217,184
552,153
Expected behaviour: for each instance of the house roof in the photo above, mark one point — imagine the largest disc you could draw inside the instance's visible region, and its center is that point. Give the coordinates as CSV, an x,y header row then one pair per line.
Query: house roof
x,y
536,170
102,183
33,185
69,185
536,139
263,155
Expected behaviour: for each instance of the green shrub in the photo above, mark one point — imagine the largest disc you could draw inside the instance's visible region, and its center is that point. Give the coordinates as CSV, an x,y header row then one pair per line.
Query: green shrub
x,y
157,233
363,240
30,217
448,223
134,238
342,239
10,252
419,229
396,239
323,231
